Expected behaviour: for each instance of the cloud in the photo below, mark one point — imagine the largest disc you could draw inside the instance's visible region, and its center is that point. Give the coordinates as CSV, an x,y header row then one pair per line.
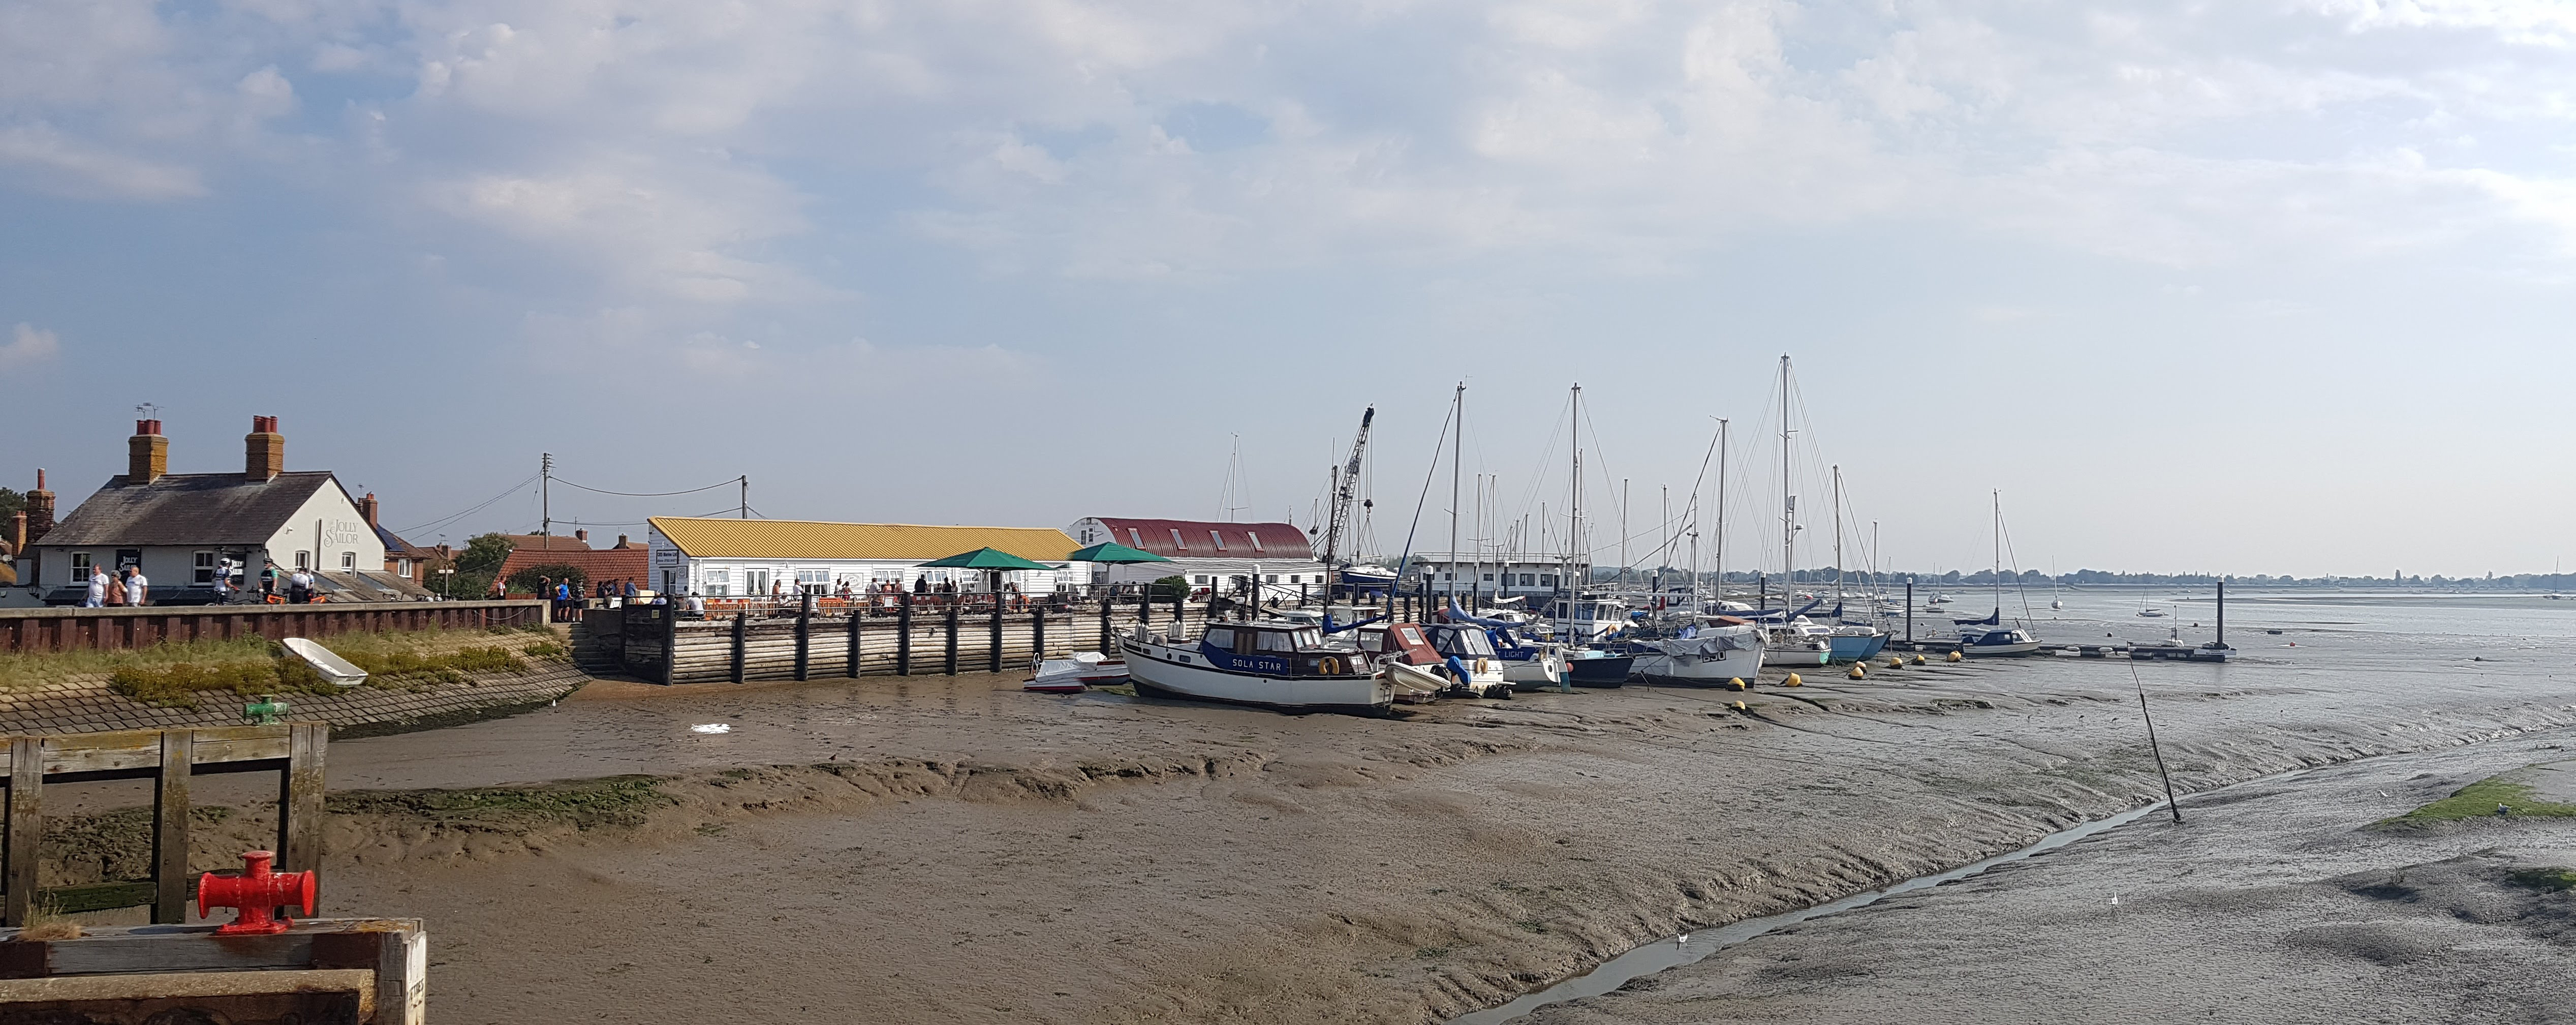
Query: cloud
x,y
57,164
27,346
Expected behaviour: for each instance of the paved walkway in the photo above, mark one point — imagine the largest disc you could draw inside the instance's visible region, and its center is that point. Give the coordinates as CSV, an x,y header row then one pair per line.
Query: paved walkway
x,y
84,704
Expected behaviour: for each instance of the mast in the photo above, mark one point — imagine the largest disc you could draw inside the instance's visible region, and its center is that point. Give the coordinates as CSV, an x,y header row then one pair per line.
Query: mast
x,y
1838,539
1998,571
1719,558
1458,405
1574,535
1789,502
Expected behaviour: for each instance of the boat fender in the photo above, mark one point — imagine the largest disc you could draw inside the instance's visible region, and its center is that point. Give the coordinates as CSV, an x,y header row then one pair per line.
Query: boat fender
x,y
1859,673
1737,683
1955,656
1792,681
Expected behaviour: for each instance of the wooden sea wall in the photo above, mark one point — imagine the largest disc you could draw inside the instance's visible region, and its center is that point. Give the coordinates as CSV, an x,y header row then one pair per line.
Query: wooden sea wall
x,y
77,629
641,642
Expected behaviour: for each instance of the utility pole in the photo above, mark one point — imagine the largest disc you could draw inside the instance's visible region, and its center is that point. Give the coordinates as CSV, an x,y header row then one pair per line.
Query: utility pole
x,y
546,498
743,511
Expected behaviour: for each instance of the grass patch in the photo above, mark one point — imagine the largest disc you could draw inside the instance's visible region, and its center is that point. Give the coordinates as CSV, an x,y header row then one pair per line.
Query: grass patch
x,y
388,660
543,649
581,804
2553,879
2479,800
33,669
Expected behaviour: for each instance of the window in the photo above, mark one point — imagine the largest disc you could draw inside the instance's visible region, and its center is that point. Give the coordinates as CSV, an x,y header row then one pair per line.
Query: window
x,y
666,580
1177,542
1446,575
402,567
1218,538
1529,580
205,575
1135,538
814,580
755,581
304,560
1270,578
1221,636
1547,580
1273,642
80,567
1256,541
348,562
716,580
1489,578
1199,579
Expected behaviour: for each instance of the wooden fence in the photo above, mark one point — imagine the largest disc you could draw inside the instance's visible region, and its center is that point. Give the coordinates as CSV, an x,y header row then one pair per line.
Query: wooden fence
x,y
75,629
647,642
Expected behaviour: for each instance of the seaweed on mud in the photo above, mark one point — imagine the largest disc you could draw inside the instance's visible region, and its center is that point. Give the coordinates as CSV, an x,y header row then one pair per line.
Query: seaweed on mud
x,y
612,801
2368,941
2479,800
2550,879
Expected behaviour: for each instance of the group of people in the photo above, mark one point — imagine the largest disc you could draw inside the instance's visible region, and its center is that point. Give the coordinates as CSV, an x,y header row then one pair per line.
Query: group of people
x,y
565,595
129,588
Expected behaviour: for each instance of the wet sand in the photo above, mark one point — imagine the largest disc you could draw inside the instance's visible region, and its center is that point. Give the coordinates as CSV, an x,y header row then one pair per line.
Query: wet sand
x,y
953,850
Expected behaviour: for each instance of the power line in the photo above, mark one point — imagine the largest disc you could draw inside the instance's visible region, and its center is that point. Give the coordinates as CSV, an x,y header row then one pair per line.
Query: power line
x,y
646,494
479,507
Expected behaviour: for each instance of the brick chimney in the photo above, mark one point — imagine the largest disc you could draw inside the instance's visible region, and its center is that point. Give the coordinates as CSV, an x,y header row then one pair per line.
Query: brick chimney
x,y
582,536
367,508
621,540
147,453
40,511
267,450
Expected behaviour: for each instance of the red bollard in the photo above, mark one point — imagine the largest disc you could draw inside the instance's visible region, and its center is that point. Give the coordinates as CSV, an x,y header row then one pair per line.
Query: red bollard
x,y
262,896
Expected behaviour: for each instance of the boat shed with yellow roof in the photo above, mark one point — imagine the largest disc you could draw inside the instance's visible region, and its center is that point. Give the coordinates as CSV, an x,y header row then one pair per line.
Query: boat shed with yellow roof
x,y
717,557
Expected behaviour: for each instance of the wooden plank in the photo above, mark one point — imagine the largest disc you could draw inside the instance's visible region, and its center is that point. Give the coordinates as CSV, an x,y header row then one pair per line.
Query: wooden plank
x,y
299,804
170,827
141,749
402,978
25,829
157,986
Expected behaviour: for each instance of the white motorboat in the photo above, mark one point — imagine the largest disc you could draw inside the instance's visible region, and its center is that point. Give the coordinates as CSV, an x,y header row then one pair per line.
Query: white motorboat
x,y
1086,669
1272,664
1798,643
1468,646
1708,657
1996,642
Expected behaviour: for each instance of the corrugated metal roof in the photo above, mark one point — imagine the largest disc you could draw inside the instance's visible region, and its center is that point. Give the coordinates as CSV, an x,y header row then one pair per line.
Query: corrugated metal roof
x,y
1202,539
713,538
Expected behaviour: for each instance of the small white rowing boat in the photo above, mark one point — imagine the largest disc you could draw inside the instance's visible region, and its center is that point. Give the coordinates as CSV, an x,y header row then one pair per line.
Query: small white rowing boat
x,y
1086,669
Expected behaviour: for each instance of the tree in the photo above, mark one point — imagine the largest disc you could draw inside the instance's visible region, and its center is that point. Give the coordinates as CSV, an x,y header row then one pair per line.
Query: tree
x,y
1174,586
527,581
10,502
476,565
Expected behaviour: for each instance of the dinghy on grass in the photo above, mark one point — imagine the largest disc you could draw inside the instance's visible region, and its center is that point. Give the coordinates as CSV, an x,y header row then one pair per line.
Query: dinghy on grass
x,y
331,666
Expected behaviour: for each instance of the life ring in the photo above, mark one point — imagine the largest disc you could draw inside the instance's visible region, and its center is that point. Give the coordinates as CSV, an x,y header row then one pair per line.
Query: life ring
x,y
1330,666
1484,665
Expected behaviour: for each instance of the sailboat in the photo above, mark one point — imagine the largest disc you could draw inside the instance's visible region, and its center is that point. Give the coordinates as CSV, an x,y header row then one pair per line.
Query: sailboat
x,y
1989,637
2174,649
1848,642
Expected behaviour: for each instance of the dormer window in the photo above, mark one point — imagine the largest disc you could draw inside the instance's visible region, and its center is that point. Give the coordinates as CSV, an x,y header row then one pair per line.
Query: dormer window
x,y
1219,538
1256,541
1135,538
1177,542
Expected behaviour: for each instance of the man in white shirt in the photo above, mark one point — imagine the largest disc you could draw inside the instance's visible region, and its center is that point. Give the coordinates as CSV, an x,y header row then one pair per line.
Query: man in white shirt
x,y
97,588
136,585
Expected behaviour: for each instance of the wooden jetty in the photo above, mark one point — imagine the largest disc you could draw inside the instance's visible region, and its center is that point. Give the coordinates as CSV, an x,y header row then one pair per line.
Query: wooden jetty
x,y
341,971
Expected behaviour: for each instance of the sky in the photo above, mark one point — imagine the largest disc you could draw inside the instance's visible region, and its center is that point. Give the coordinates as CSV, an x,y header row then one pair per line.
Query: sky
x,y
2255,287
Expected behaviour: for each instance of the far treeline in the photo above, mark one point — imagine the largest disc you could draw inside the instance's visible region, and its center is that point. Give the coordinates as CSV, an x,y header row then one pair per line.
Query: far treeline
x,y
2094,577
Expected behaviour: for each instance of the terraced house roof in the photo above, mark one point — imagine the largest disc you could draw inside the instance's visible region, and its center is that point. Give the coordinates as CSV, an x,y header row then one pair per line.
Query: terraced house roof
x,y
714,538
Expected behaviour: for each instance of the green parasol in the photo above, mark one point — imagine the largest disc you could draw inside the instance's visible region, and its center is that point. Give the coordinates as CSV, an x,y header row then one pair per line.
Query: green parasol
x,y
1113,553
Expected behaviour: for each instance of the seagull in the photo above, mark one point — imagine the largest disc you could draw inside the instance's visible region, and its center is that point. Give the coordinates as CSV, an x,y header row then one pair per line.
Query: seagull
x,y
1681,939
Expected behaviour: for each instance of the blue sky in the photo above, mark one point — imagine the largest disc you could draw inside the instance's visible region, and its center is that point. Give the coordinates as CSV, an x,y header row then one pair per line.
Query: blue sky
x,y
2258,288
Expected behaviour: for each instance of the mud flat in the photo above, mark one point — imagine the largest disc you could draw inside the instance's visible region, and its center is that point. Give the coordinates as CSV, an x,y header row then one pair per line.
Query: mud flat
x,y
2313,899
953,850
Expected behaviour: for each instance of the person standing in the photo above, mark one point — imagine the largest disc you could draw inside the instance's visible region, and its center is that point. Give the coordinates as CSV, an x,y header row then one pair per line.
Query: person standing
x,y
115,591
299,587
97,589
138,588
267,579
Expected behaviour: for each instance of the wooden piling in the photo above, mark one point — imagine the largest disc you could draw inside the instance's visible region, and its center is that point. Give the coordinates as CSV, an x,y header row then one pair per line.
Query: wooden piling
x,y
26,826
995,644
903,635
170,828
741,629
858,615
804,637
952,635
1037,635
299,798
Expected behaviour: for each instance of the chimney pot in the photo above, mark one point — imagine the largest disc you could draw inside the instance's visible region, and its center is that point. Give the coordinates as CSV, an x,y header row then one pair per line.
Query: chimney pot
x,y
367,507
621,540
581,535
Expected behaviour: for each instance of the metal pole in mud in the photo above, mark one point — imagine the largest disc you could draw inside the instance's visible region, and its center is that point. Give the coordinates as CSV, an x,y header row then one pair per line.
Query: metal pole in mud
x,y
1909,610
2171,804
903,634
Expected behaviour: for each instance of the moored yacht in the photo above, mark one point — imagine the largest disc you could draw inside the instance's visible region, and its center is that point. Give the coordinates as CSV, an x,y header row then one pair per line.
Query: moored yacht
x,y
1701,656
1274,664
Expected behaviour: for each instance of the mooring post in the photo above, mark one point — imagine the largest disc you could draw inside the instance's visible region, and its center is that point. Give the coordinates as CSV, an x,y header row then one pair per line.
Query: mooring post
x,y
170,828
669,616
804,633
857,613
299,798
1037,634
903,634
26,827
1104,624
995,644
953,601
741,630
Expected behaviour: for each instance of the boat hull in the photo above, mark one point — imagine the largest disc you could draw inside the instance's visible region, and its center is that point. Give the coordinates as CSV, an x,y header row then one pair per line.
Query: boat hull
x,y
1797,658
2014,650
1855,649
1601,671
1698,670
1171,672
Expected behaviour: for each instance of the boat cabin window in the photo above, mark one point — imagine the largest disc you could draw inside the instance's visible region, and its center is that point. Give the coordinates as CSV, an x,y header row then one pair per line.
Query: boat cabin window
x,y
1274,642
1411,634
1466,643
1221,636
1373,641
